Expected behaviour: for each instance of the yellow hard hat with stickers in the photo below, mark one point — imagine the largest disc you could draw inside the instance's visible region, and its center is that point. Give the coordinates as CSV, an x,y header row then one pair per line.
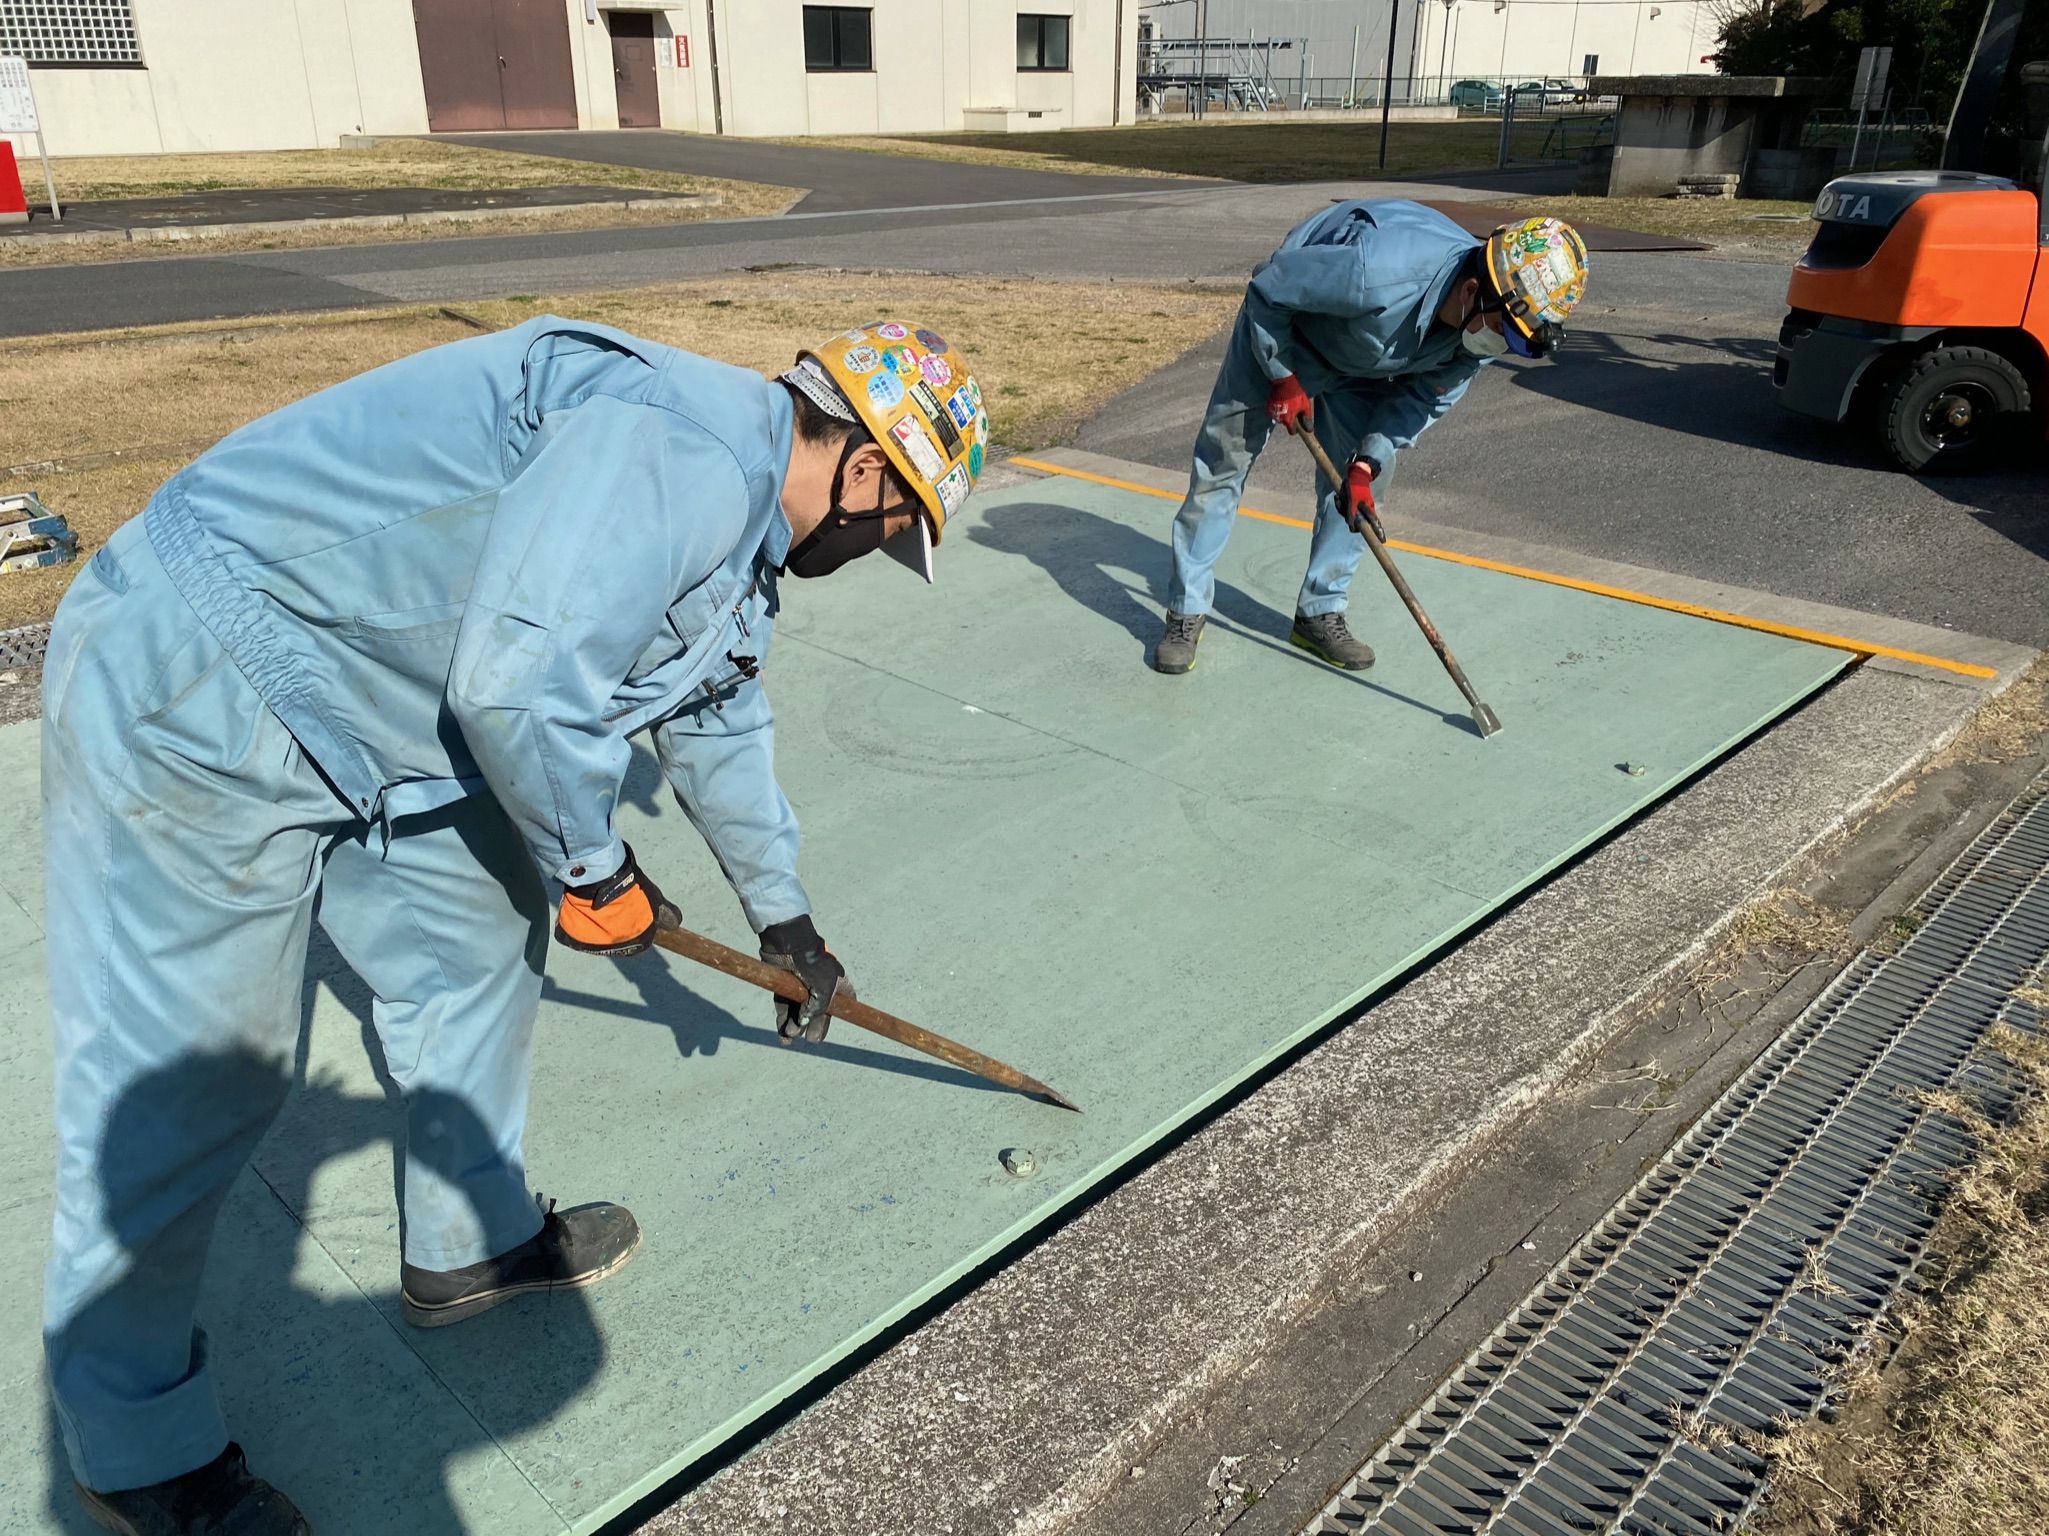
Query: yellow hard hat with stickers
x,y
915,396
1538,267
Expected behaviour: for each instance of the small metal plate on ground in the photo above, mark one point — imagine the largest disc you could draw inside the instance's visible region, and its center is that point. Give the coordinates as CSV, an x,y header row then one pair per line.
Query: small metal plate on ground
x,y
1140,889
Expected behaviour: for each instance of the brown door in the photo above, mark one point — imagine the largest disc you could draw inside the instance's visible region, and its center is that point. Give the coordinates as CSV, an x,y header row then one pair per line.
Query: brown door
x,y
459,65
533,48
633,68
496,64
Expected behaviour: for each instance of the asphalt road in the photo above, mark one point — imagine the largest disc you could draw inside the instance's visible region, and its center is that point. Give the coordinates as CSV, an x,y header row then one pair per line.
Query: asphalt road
x,y
1653,439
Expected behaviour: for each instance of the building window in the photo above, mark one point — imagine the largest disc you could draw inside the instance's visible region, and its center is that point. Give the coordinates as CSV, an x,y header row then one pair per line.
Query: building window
x,y
89,32
835,37
1591,64
1042,42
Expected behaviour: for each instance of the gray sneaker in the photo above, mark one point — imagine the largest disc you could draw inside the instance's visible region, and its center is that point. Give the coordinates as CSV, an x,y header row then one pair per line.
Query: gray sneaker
x,y
1175,653
1327,636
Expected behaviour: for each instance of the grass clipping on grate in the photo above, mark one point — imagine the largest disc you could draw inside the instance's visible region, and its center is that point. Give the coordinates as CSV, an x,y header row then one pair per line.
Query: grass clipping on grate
x,y
1948,1435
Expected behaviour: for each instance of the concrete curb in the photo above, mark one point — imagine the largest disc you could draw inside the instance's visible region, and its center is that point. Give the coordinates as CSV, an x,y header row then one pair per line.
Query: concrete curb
x,y
1026,1402
151,233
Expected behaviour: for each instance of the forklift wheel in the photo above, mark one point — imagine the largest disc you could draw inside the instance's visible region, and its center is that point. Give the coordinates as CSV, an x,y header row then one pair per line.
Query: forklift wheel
x,y
1953,409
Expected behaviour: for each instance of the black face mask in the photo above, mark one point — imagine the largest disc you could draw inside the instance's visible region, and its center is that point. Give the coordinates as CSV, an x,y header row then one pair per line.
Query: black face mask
x,y
841,535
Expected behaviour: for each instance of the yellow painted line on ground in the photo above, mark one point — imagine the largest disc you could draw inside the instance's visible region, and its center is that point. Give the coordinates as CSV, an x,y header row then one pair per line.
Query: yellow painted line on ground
x,y
1599,589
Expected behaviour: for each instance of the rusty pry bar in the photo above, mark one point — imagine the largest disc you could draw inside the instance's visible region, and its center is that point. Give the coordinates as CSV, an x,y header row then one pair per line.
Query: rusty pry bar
x,y
770,978
1370,530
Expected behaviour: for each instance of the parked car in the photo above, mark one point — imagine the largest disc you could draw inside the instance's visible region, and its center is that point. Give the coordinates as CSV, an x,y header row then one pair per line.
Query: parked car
x,y
1549,93
1476,95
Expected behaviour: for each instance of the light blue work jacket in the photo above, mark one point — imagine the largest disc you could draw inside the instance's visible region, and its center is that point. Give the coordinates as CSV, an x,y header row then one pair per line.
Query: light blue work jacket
x,y
490,563
1352,295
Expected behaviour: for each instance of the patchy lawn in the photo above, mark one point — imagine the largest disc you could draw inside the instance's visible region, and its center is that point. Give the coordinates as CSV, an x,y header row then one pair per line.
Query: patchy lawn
x,y
398,163
155,397
1234,150
1746,221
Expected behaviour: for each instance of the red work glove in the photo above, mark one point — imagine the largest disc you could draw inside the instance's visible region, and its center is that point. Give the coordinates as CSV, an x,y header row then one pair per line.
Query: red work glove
x,y
1287,405
1358,502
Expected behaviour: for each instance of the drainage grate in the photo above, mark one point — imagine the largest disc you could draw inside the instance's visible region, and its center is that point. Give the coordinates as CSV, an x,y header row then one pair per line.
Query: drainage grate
x,y
24,647
1722,1295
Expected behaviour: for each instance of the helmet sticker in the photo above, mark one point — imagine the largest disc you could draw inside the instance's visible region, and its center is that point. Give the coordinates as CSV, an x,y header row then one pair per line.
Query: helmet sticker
x,y
862,360
953,488
975,459
931,341
961,408
918,448
927,401
903,360
885,391
949,439
937,374
891,331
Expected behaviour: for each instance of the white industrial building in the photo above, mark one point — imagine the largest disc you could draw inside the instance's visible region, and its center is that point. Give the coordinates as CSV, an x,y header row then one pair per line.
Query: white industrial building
x,y
1336,50
141,76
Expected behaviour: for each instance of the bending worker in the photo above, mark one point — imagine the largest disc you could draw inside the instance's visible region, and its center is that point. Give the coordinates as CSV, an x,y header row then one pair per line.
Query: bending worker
x,y
383,650
1366,325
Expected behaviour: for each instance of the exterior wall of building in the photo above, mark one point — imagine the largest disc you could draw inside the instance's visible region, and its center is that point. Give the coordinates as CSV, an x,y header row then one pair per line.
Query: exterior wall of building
x,y
242,74
300,74
1533,39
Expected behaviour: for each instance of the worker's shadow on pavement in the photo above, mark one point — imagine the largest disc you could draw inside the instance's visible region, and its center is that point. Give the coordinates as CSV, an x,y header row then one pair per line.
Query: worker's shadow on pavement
x,y
353,1413
1104,565
700,1027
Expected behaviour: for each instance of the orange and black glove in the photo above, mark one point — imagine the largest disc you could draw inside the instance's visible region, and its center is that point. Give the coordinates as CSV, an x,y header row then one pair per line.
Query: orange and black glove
x,y
615,916
1286,404
795,946
1358,504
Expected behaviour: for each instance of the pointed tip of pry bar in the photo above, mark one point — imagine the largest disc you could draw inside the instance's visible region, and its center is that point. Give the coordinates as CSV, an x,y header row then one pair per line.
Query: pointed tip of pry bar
x,y
1053,1096
1486,720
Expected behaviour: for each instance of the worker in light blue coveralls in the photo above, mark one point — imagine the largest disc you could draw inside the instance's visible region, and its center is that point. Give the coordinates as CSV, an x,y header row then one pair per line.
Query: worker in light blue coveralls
x,y
1366,326
379,654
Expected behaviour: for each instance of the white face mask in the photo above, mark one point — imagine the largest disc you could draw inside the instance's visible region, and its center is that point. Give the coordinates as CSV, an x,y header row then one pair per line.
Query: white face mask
x,y
1484,342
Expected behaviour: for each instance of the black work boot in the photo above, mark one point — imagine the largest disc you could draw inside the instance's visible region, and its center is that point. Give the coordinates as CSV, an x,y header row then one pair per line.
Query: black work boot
x,y
573,1249
1328,636
1175,653
221,1498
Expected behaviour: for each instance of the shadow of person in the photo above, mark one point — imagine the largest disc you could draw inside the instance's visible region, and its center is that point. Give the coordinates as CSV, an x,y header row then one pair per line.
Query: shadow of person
x,y
356,1416
1105,565
699,1027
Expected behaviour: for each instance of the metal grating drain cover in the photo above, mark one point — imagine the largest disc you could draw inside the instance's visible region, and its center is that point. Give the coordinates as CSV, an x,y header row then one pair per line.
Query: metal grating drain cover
x,y
1719,1298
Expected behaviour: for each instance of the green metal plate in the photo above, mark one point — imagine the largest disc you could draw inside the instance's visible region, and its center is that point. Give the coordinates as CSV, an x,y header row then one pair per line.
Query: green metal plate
x,y
1140,889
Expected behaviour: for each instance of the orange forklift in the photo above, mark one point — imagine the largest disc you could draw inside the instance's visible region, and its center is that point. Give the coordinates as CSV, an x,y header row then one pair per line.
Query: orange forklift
x,y
1921,308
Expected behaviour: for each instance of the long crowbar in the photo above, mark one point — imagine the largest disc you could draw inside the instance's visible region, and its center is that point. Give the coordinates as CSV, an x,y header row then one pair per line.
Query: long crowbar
x,y
695,946
1368,529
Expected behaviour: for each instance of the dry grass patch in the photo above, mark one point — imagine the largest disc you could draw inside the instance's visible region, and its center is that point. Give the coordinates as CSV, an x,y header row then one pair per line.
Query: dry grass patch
x,y
1950,1435
1046,354
1759,221
399,163
1233,150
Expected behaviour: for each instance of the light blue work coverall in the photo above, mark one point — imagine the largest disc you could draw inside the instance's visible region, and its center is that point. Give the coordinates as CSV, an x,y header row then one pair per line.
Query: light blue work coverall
x,y
378,652
1348,304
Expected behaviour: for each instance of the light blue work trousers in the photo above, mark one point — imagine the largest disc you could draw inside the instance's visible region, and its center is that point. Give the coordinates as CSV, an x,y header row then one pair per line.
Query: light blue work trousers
x,y
1234,429
188,842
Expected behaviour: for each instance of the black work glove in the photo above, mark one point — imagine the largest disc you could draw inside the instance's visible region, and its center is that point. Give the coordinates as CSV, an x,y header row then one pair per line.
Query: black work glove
x,y
614,916
796,946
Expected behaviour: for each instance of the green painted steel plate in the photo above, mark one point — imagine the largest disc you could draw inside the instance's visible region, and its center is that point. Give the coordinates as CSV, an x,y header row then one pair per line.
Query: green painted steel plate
x,y
1140,889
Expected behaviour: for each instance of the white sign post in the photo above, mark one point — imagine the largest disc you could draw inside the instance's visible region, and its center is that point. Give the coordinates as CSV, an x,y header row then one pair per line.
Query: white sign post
x,y
18,115
1868,93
